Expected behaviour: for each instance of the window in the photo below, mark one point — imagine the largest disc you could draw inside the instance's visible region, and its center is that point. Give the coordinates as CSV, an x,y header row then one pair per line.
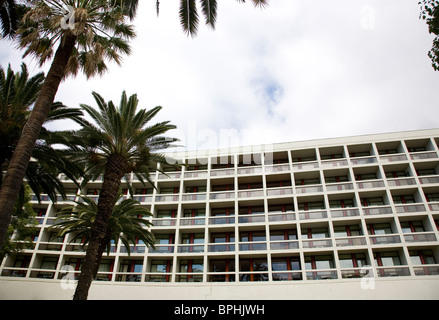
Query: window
x,y
49,263
419,257
226,265
408,198
347,231
387,259
397,174
432,197
379,228
354,260
252,236
194,213
285,264
315,233
366,176
253,265
346,203
192,238
306,206
336,179
223,237
191,266
412,226
375,201
283,235
319,262
161,266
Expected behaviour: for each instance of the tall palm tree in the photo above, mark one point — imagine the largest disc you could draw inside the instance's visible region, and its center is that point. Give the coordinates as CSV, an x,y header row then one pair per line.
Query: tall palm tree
x,y
93,31
189,18
120,142
127,223
18,91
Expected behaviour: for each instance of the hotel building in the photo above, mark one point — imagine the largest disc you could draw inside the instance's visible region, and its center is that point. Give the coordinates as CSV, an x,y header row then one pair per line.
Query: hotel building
x,y
339,218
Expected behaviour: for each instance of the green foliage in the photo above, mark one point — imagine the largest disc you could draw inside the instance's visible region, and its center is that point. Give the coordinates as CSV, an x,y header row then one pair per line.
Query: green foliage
x,y
128,222
23,225
430,13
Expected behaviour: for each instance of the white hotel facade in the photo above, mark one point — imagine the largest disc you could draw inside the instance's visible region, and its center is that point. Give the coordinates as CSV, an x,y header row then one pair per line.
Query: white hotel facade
x,y
341,218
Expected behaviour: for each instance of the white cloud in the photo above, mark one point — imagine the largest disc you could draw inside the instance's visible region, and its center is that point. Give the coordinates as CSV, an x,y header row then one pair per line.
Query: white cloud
x,y
296,70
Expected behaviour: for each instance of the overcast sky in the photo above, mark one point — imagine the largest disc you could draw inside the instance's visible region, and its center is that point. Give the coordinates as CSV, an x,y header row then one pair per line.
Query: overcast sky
x,y
297,70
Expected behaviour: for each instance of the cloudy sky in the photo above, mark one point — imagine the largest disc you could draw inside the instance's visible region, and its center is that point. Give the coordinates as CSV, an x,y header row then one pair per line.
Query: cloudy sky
x,y
297,70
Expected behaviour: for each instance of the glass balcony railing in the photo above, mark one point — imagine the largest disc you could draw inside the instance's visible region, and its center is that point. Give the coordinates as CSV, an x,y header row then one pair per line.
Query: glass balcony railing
x,y
316,243
370,184
279,217
166,198
222,220
350,241
192,221
279,191
321,275
394,271
334,163
424,155
250,170
309,215
401,182
191,248
362,161
339,187
309,189
252,246
384,239
195,174
348,212
410,208
222,172
426,270
251,193
277,168
284,245
194,197
420,237
287,275
393,158
224,247
223,195
305,165
428,180
251,218
370,211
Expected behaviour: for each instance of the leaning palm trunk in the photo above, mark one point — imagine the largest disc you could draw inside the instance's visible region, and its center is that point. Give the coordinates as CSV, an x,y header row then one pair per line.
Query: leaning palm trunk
x,y
116,169
17,167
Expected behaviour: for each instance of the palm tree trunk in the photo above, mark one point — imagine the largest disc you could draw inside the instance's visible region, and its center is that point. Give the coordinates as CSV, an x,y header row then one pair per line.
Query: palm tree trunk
x,y
115,170
23,151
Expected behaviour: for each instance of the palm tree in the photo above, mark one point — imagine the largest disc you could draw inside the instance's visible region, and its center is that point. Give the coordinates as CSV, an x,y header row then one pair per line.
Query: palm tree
x,y
127,223
189,18
96,31
18,91
120,142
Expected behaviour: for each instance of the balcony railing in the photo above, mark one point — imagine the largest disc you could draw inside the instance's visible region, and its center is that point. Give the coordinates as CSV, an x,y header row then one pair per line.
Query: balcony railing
x,y
410,208
339,213
321,274
362,161
309,215
222,220
191,248
428,180
393,158
284,245
316,243
278,217
350,241
194,197
141,198
287,275
426,270
420,237
224,247
251,218
371,211
165,248
334,163
169,175
279,191
339,187
395,271
370,184
195,174
192,221
401,182
163,222
424,155
250,170
277,168
309,189
252,246
305,165
223,195
251,193
222,172
166,198
384,239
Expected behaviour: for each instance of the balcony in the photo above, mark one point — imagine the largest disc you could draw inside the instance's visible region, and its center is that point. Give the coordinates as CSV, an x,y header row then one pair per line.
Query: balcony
x,y
251,218
249,170
316,243
334,163
394,271
305,165
163,222
401,182
252,246
190,248
341,213
281,217
167,197
141,198
393,158
410,208
420,237
223,195
350,241
287,275
195,174
285,191
222,172
169,176
429,180
193,221
426,270
363,161
321,275
370,184
224,247
168,248
424,155
277,168
284,245
194,197
221,220
309,189
378,210
339,187
384,239
309,215
250,193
